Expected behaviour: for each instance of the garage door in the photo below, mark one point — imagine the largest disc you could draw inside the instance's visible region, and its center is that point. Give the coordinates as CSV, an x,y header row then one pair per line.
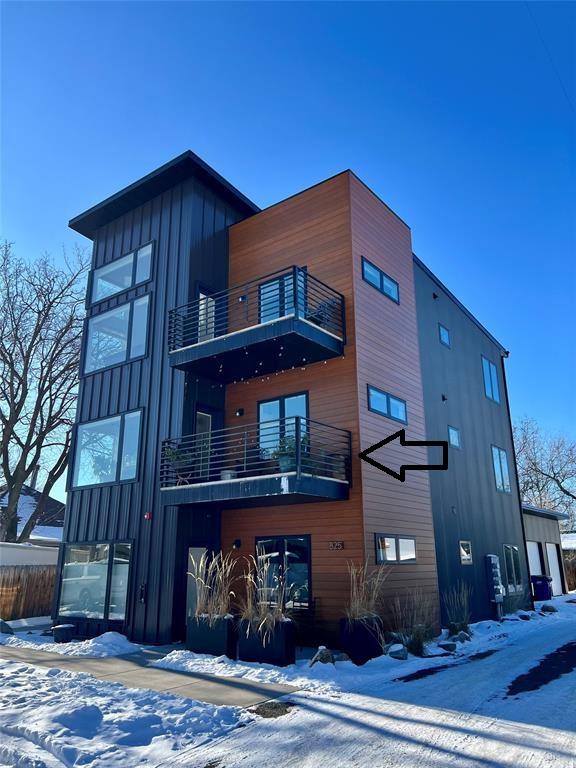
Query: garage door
x,y
553,562
534,560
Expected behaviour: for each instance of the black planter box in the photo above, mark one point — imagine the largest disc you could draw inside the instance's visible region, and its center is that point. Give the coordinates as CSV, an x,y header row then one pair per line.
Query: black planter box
x,y
280,648
63,633
359,639
217,637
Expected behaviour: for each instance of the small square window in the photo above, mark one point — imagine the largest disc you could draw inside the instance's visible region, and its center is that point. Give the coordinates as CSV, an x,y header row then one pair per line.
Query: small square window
x,y
371,274
465,552
397,408
454,437
387,549
407,550
444,335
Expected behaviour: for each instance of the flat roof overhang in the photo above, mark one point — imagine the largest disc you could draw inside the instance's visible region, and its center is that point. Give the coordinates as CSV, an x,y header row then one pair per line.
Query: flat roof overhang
x,y
170,174
271,490
551,514
279,345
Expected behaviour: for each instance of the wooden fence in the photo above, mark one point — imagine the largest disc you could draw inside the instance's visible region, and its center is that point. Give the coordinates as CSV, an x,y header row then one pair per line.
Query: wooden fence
x,y
26,590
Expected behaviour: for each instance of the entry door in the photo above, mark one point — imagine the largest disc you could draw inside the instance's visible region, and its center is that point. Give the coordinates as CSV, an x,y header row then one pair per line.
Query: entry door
x,y
194,557
554,563
534,559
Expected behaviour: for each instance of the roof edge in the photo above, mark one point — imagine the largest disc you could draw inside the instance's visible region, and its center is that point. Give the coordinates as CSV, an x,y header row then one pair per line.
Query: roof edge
x,y
540,512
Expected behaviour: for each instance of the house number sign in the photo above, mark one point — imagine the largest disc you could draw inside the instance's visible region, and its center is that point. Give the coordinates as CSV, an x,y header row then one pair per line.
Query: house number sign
x,y
335,545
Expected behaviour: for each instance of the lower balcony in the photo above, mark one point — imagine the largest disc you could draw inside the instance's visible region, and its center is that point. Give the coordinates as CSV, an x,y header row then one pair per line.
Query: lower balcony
x,y
290,461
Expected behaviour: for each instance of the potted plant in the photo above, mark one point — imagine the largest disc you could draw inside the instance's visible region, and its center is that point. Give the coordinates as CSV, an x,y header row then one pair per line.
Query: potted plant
x,y
211,629
266,633
362,630
182,462
285,454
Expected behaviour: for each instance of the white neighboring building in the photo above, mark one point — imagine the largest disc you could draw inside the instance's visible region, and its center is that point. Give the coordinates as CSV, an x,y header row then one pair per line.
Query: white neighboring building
x,y
27,554
569,542
48,531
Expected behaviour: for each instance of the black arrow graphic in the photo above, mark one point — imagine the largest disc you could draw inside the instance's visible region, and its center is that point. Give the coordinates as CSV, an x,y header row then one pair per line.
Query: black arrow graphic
x,y
364,455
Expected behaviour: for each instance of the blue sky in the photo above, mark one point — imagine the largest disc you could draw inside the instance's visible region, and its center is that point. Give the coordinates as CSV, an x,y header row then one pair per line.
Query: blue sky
x,y
459,115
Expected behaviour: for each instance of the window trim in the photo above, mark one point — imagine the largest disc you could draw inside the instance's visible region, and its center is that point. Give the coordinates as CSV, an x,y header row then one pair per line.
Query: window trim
x,y
491,366
90,287
396,537
447,344
466,562
382,275
500,452
70,481
127,359
388,395
450,443
518,586
308,538
106,611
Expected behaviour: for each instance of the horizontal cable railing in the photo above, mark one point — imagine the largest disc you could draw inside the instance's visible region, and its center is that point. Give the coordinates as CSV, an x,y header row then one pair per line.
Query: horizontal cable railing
x,y
293,444
288,293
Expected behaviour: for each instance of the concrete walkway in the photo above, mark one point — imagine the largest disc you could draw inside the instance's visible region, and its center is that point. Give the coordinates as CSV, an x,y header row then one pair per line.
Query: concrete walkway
x,y
134,671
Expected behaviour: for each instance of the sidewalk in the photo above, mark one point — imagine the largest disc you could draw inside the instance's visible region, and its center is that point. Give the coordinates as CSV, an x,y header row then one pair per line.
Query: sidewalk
x,y
133,671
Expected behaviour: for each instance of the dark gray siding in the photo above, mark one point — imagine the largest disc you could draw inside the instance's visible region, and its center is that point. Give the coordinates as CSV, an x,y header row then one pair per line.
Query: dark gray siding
x,y
465,502
188,225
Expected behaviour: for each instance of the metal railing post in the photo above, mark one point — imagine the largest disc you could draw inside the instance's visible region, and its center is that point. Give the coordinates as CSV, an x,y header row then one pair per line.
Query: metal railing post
x,y
295,275
298,438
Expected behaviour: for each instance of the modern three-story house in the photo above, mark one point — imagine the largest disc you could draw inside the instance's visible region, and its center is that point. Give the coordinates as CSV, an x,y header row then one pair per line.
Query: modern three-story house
x,y
235,363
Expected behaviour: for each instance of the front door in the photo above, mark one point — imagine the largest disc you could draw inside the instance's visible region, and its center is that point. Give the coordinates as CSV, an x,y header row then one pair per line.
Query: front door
x,y
194,559
554,564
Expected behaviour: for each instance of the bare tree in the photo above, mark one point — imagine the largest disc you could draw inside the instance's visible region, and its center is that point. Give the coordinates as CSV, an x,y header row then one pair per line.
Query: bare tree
x,y
41,311
546,469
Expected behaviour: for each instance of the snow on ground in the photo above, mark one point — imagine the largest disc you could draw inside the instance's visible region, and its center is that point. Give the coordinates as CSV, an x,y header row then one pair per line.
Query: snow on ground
x,y
346,676
108,644
54,718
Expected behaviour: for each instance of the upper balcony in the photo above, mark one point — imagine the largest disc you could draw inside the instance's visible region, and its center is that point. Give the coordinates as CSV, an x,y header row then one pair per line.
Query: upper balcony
x,y
287,461
282,320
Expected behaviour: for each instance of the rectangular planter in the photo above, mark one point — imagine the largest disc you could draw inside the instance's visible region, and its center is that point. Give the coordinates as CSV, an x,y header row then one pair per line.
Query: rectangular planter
x,y
359,639
280,648
217,637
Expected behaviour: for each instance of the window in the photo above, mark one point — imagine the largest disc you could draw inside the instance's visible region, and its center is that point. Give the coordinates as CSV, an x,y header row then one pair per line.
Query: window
x,y
465,552
380,280
277,423
395,549
491,388
500,464
454,437
107,450
122,274
206,317
387,405
444,335
284,567
277,296
95,580
513,570
108,335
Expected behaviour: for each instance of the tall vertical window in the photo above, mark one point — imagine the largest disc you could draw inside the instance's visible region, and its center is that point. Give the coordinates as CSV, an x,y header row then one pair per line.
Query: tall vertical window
x,y
500,464
277,424
491,388
121,274
107,450
380,280
117,335
513,570
277,296
206,317
454,437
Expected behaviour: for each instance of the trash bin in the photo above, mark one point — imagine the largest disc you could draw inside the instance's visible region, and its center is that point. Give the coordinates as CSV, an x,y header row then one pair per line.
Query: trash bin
x,y
63,633
542,587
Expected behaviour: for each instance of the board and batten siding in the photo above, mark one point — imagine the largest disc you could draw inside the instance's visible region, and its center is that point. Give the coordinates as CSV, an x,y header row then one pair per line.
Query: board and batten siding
x,y
188,225
388,357
465,501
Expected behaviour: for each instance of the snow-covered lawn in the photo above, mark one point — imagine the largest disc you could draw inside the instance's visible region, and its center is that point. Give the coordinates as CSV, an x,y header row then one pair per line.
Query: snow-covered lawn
x,y
108,644
54,718
342,716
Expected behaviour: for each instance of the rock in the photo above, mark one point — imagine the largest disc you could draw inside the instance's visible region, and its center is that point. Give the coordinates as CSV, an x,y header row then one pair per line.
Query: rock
x,y
322,655
463,637
548,608
448,646
5,628
524,616
398,651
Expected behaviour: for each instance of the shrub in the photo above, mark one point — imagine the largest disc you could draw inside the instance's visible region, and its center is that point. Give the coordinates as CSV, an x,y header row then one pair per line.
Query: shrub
x,y
457,604
262,606
366,597
214,577
410,619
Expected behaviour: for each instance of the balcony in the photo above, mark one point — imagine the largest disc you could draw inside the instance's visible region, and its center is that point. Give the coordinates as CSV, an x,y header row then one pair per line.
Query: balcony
x,y
283,320
288,461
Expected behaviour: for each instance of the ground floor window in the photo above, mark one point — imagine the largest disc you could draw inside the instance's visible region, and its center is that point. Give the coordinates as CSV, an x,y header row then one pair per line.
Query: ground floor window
x,y
395,549
513,571
284,564
95,580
